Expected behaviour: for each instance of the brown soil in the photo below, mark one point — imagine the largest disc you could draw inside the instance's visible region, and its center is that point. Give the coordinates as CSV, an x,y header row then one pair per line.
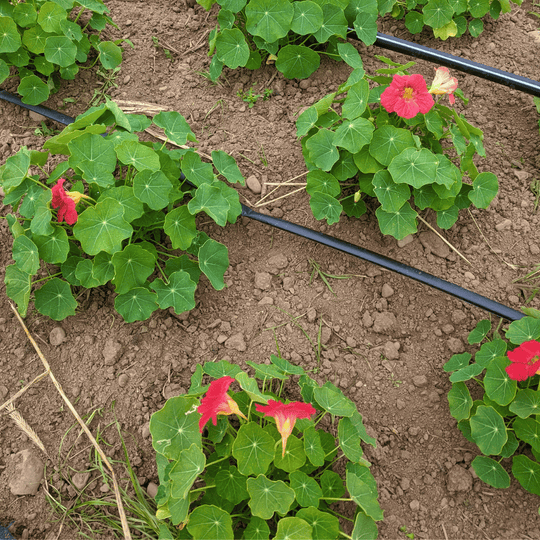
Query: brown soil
x,y
394,373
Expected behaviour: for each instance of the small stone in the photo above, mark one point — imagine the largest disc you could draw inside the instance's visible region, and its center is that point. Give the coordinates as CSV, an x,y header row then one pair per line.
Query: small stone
x,y
105,488
304,84
434,244
123,380
513,299
152,489
351,342
79,480
414,505
3,392
459,479
384,322
253,183
222,338
26,472
277,262
405,241
505,224
523,176
57,336
288,283
236,342
387,291
400,404
455,345
420,381
266,301
458,316
36,117
447,329
367,320
311,314
145,430
405,484
391,350
112,351
127,78
535,34
263,280
326,334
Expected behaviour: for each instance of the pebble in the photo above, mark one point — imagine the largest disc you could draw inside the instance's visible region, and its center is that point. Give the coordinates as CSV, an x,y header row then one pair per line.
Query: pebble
x,y
458,316
405,484
127,78
80,480
112,352
3,392
145,431
27,472
391,350
351,342
236,342
152,489
36,117
253,184
104,488
387,291
505,224
434,244
123,380
57,336
263,280
400,404
415,505
455,345
326,334
384,322
367,320
405,241
311,314
459,479
304,84
266,301
420,381
277,262
522,176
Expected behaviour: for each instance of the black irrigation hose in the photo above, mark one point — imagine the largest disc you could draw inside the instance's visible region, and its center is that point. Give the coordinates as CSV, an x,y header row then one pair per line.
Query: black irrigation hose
x,y
517,82
463,294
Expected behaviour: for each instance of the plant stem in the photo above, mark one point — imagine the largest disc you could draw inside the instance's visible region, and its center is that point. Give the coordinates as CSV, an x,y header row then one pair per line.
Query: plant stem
x,y
217,461
47,277
336,499
201,489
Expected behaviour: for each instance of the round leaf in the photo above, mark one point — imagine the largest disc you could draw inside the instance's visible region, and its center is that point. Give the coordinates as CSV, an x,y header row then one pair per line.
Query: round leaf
x,y
528,430
414,167
18,287
54,299
178,293
268,496
132,266
365,26
231,485
322,182
334,23
323,524
152,188
525,329
333,401
60,50
269,19
211,523
498,385
294,458
110,54
365,528
490,472
485,187
293,528
34,39
322,151
326,207
414,22
527,473
397,224
257,529
180,226
460,401
136,305
50,17
308,17
392,196
25,254
306,489
226,165
526,403
33,90
10,40
214,261
102,228
488,430
437,13
184,472
175,126
354,134
388,142
54,248
297,61
138,155
231,48
357,99
254,450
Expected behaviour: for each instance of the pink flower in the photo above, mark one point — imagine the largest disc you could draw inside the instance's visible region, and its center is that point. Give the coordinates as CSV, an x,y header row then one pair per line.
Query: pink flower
x,y
65,202
216,401
444,84
525,361
286,415
407,95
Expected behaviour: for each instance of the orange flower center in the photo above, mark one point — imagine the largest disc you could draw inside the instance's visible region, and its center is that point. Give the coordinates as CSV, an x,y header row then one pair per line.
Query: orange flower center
x,y
408,93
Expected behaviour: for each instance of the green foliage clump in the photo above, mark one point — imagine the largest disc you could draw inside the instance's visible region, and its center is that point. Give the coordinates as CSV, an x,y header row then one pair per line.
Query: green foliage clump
x,y
136,216
504,419
291,33
43,41
235,482
446,18
403,163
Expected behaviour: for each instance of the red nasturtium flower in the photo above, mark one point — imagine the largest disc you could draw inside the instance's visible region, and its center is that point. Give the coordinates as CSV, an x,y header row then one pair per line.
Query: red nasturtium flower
x,y
65,202
444,84
285,416
407,95
525,361
216,401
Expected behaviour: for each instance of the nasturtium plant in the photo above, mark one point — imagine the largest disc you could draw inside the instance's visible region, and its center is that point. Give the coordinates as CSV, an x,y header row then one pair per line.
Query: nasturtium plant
x,y
503,421
129,219
384,137
446,18
291,33
236,459
45,41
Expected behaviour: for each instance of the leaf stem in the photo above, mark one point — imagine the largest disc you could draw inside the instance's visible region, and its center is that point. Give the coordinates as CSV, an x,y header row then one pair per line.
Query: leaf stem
x,y
47,277
217,461
201,489
336,499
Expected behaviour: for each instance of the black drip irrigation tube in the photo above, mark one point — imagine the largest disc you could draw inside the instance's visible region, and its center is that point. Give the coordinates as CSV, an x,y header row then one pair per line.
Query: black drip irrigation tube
x,y
398,45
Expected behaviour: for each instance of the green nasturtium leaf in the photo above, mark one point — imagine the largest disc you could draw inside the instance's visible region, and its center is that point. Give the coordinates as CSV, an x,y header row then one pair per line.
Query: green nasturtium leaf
x,y
333,401
10,39
497,383
306,489
365,26
269,19
55,300
334,23
363,490
356,101
231,48
214,261
349,441
388,142
293,528
33,90
491,472
172,429
437,13
175,126
110,54
525,329
54,248
527,473
254,450
256,529
322,150
460,401
480,331
26,255
323,524
211,523
306,121
528,430
185,471
485,187
231,485
50,17
102,228
226,165
294,457
325,206
178,293
297,61
398,224
180,226
322,182
350,55
138,155
209,199
60,50
152,188
18,285
308,17
488,430
312,446
414,167
136,305
132,266
354,134
392,196
268,496
526,403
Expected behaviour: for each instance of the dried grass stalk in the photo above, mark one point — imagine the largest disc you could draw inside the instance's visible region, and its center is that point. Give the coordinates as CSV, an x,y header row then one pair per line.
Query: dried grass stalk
x,y
24,427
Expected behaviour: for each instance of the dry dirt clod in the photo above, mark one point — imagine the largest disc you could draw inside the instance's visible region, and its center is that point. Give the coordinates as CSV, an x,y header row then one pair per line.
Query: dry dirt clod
x,y
459,479
57,336
252,182
26,470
